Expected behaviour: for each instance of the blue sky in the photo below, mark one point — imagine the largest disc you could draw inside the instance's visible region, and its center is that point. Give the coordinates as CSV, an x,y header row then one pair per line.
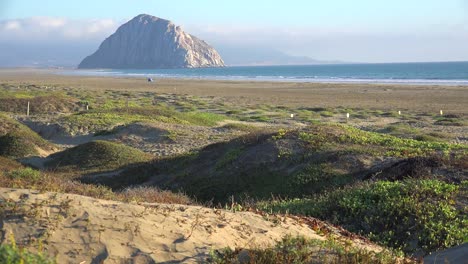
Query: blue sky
x,y
354,13
346,30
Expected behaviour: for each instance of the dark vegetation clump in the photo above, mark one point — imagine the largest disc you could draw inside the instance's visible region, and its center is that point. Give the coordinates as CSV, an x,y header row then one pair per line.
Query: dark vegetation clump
x,y
47,104
414,215
97,156
16,146
18,141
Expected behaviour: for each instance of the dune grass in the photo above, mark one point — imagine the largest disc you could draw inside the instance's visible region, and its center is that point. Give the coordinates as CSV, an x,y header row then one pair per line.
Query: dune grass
x,y
15,175
103,119
327,135
303,250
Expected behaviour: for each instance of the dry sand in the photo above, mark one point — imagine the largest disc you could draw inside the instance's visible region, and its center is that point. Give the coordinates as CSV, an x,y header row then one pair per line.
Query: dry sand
x,y
416,98
78,229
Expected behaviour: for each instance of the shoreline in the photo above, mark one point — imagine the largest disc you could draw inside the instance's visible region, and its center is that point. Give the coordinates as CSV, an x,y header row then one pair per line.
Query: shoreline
x,y
117,73
389,97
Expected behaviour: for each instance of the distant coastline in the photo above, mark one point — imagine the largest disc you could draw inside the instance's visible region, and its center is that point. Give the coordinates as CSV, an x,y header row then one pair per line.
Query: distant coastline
x,y
410,73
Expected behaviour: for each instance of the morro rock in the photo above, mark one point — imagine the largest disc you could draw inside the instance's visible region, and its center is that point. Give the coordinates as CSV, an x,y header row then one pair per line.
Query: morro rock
x,y
148,42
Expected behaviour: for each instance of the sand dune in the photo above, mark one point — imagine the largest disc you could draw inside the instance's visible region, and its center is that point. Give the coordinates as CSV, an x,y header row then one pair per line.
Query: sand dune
x,y
79,229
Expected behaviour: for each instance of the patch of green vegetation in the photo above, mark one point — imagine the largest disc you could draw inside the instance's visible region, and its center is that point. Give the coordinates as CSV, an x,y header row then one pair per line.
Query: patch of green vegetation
x,y
326,113
104,133
259,118
401,130
173,135
315,178
112,104
17,140
103,119
303,250
25,93
241,127
337,134
410,216
16,146
451,122
12,254
25,174
97,156
185,106
228,157
427,138
306,114
201,118
407,131
362,114
40,102
396,146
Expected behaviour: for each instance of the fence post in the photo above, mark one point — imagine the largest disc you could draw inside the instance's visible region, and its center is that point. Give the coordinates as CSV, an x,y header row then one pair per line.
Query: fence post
x,y
27,111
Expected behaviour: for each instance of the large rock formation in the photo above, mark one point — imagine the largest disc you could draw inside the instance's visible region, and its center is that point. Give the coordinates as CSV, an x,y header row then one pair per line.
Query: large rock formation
x,y
148,42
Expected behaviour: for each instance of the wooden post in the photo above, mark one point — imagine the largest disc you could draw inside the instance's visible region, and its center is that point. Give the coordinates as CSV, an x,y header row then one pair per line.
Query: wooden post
x,y
27,111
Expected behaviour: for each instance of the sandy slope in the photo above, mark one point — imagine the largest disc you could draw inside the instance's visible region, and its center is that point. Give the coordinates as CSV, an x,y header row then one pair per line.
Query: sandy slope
x,y
80,229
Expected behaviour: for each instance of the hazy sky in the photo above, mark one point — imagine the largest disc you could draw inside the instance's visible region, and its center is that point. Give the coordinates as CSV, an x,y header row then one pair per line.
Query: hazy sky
x,y
357,30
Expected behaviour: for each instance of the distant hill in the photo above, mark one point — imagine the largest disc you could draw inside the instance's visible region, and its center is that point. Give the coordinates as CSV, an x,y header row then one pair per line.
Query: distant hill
x,y
149,42
261,56
43,55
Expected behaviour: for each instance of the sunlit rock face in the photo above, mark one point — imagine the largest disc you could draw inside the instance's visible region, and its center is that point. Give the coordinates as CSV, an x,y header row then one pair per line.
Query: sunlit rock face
x,y
148,42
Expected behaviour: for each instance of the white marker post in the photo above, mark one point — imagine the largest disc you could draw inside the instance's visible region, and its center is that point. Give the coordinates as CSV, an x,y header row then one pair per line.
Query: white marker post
x,y
441,112
399,112
292,115
347,116
27,111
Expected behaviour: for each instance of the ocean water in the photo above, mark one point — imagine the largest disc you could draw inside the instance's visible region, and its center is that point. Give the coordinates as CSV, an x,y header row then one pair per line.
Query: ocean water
x,y
441,73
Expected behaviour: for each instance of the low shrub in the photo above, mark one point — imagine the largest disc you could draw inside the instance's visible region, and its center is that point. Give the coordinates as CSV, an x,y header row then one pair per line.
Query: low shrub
x,y
15,146
25,174
12,254
97,156
412,215
303,250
